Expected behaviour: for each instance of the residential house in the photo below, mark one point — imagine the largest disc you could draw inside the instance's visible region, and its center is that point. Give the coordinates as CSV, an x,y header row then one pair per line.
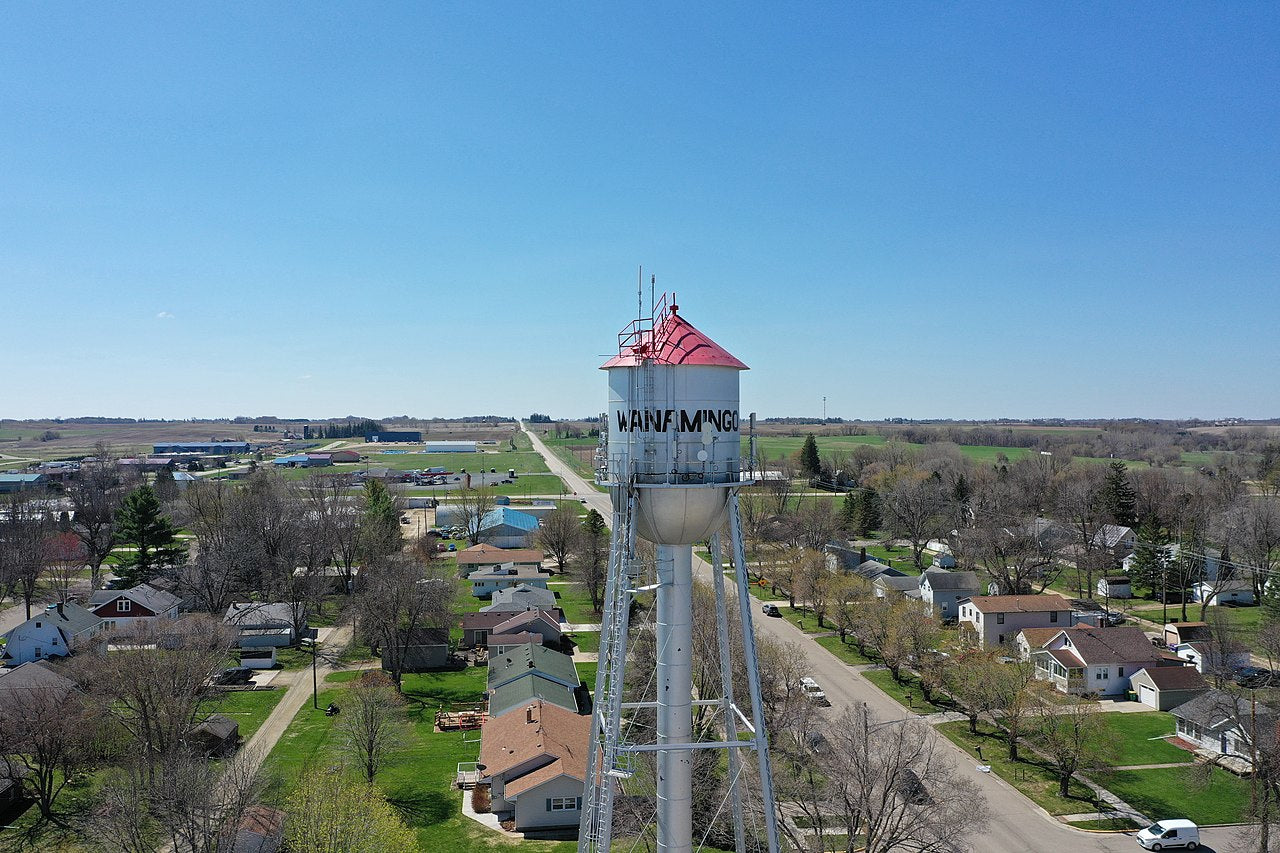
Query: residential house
x,y
56,631
1114,586
259,830
522,691
11,775
523,597
1211,656
486,556
125,609
1030,640
530,659
1085,659
217,736
1212,563
887,585
538,622
1115,538
262,623
993,620
500,644
943,590
1234,591
485,582
32,676
535,760
428,649
1166,687
1220,723
508,528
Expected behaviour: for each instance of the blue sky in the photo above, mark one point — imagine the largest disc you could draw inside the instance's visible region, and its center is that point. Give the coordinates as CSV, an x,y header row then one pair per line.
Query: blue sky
x,y
916,210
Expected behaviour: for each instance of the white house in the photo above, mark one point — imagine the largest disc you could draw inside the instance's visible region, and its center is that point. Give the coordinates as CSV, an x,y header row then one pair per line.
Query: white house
x,y
993,620
262,623
485,582
125,609
53,632
535,760
1206,657
1235,591
1084,659
1117,539
889,585
944,590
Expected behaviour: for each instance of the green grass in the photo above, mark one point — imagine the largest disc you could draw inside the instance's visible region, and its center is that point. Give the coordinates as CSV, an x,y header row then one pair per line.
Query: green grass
x,y
249,708
1034,780
847,652
910,687
1131,738
587,641
576,604
525,462
1183,791
1245,621
418,777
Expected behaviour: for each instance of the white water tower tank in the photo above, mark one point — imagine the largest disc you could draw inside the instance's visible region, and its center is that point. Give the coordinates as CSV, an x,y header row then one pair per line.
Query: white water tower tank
x,y
674,427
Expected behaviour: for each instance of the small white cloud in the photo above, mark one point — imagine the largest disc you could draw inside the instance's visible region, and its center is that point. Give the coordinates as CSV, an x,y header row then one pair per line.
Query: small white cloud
x,y
304,377
164,315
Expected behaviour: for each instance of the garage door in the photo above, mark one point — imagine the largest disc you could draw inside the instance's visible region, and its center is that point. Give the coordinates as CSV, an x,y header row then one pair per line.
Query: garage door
x,y
1146,695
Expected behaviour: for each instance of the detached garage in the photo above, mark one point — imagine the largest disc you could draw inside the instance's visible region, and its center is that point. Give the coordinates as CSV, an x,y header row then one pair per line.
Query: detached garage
x,y
1166,687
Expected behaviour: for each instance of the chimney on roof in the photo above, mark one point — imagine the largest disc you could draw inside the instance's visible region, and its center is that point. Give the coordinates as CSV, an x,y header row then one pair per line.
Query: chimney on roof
x,y
60,610
862,556
528,714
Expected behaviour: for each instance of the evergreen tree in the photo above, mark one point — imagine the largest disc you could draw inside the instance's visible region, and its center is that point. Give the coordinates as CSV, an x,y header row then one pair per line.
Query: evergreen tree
x,y
1149,557
379,521
870,516
810,463
849,513
1118,498
149,532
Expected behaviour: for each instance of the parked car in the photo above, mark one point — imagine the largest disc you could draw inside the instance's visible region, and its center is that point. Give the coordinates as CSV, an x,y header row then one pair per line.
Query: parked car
x,y
771,610
1251,676
233,676
910,788
452,547
812,691
1115,617
1167,834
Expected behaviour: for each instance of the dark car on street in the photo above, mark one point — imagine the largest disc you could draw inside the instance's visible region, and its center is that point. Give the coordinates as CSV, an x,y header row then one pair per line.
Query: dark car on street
x,y
1252,676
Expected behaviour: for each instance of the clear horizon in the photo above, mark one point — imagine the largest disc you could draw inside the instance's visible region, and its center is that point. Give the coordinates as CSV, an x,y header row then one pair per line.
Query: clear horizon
x,y
915,211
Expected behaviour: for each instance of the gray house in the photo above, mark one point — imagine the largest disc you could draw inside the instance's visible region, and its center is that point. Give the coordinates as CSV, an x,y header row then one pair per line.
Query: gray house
x,y
1220,723
1166,687
522,597
943,590
428,649
262,623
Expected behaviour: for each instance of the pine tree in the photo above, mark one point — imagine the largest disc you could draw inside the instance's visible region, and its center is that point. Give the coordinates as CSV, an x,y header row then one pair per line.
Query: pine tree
x,y
1149,556
870,517
379,521
1118,498
849,513
149,532
810,462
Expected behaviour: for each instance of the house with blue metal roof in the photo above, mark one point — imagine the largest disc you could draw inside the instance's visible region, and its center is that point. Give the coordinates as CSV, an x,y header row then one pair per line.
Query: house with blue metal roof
x,y
508,528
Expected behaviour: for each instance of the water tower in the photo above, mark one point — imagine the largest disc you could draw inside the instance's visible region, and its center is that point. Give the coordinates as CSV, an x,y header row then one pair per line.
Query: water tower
x,y
670,457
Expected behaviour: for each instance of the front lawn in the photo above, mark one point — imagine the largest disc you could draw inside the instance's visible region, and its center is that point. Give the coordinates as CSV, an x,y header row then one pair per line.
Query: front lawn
x,y
576,604
908,692
586,641
1134,739
847,652
1183,791
1106,824
249,708
1036,781
418,777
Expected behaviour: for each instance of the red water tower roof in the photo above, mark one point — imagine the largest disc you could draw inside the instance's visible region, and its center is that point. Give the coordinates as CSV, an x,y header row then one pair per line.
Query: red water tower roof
x,y
673,340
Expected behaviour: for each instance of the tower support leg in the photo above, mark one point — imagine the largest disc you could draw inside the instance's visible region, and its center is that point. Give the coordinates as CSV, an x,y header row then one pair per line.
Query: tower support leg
x,y
674,635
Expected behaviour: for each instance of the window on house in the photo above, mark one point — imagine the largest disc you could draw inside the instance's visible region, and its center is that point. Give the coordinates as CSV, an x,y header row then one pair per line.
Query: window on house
x,y
39,652
1102,675
124,605
564,804
1120,672
999,618
1053,616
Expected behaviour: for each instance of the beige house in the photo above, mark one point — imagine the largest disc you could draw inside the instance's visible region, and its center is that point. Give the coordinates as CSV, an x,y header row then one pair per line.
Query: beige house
x,y
994,620
1166,687
534,758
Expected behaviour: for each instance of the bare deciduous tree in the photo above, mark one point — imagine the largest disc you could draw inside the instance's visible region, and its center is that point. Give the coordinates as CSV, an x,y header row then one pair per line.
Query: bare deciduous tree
x,y
46,731
23,528
96,494
398,597
558,535
369,722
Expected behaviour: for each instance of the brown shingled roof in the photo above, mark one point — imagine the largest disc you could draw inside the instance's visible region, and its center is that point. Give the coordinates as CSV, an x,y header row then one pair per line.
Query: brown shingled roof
x,y
484,555
1095,646
553,740
1019,603
1037,637
1176,678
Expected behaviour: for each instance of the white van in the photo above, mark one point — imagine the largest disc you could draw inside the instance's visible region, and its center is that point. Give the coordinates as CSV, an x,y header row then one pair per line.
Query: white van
x,y
1167,834
812,691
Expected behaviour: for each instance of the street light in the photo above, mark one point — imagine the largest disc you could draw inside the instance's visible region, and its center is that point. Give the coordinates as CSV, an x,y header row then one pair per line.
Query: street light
x,y
315,691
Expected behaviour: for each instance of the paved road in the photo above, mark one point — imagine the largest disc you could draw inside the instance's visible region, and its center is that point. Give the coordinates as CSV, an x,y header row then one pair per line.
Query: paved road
x,y
1017,825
